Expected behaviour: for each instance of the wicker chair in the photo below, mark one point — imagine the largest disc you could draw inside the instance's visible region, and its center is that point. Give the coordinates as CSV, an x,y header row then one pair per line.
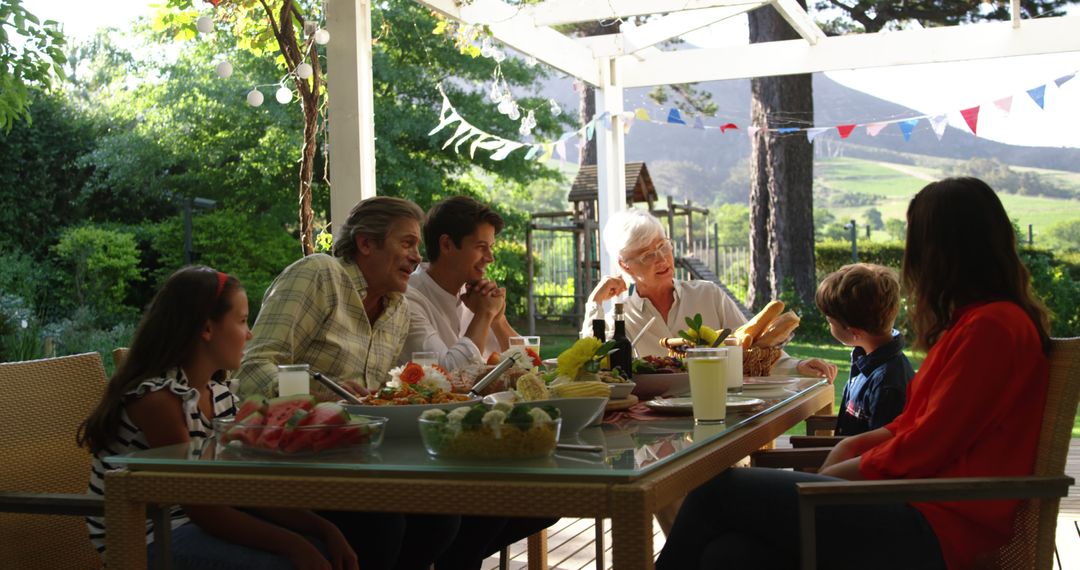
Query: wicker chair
x,y
119,355
45,472
1032,544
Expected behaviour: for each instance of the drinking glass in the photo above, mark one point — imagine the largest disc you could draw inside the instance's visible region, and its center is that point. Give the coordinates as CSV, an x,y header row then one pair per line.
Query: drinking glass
x,y
425,358
734,365
293,379
708,383
532,342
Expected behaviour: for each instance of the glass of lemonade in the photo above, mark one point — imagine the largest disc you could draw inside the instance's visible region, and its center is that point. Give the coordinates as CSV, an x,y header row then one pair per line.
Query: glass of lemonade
x,y
425,358
293,379
708,383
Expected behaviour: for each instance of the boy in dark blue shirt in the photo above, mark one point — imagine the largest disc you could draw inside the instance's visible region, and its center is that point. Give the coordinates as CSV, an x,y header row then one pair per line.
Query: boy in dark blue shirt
x,y
860,302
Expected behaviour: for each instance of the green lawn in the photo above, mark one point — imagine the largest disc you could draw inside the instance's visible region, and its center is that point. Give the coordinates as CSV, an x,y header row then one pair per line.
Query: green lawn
x,y
552,345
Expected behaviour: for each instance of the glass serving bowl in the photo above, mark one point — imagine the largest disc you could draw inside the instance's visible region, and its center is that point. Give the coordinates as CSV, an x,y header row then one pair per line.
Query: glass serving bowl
x,y
454,440
360,433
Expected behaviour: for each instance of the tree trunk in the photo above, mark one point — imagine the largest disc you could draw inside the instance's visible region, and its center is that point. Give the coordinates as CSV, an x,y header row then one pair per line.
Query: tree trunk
x,y
781,194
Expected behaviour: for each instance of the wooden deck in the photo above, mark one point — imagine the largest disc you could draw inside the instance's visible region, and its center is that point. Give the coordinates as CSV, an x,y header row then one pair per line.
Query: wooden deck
x,y
572,544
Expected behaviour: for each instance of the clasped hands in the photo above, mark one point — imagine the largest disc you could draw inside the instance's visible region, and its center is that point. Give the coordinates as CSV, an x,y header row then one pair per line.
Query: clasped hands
x,y
484,297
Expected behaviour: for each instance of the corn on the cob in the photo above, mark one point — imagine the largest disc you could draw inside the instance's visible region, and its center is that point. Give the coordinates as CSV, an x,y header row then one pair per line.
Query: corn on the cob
x,y
582,390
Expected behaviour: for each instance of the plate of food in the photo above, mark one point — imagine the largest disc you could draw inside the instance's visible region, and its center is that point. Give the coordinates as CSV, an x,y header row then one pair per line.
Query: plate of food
x,y
684,406
660,376
576,413
412,389
295,426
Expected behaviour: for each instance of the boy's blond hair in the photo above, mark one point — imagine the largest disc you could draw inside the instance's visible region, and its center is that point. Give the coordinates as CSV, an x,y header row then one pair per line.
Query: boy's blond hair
x,y
861,295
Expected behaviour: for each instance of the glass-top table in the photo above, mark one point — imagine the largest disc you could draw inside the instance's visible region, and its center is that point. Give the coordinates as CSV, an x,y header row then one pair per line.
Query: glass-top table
x,y
644,465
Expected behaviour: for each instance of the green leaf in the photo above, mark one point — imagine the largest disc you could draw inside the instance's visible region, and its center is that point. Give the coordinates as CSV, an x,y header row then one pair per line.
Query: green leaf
x,y
697,321
690,322
686,336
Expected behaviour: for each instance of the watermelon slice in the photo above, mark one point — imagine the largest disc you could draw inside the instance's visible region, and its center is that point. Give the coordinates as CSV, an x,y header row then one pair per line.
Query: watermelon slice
x,y
245,431
251,405
278,413
290,438
323,426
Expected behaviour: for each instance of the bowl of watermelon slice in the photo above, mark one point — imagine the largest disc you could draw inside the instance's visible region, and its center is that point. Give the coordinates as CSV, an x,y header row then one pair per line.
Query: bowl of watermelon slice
x,y
297,425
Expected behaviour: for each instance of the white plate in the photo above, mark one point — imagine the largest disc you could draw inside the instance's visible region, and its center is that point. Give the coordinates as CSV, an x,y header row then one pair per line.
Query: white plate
x,y
684,405
769,382
403,418
577,413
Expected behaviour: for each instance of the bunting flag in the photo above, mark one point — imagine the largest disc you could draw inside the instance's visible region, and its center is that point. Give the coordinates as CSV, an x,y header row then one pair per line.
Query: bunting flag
x,y
1037,94
1005,104
675,117
873,129
907,126
938,123
475,138
971,117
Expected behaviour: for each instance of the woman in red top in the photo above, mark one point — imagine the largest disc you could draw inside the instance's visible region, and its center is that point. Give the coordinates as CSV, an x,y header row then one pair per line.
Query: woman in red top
x,y
974,409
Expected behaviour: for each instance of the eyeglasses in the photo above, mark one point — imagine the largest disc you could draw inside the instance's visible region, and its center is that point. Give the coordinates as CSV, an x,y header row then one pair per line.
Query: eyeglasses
x,y
660,252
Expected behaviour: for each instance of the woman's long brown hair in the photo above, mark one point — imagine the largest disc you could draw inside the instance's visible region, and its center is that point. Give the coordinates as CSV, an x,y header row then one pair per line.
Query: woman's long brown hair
x,y
961,249
165,338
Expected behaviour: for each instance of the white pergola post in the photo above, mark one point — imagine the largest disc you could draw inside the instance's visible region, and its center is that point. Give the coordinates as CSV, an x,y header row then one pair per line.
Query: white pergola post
x,y
610,152
352,105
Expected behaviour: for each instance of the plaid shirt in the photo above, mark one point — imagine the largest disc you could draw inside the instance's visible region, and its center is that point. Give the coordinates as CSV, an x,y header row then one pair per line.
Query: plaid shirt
x,y
313,313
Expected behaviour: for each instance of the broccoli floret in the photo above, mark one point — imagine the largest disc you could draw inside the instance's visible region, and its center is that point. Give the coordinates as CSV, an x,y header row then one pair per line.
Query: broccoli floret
x,y
475,417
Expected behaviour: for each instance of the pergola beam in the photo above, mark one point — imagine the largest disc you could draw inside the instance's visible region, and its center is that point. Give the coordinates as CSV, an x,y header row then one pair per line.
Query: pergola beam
x,y
797,17
556,12
856,51
513,28
676,24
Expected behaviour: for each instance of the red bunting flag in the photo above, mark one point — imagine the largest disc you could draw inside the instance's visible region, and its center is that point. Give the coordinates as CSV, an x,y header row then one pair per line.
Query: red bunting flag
x,y
971,117
725,127
845,130
215,2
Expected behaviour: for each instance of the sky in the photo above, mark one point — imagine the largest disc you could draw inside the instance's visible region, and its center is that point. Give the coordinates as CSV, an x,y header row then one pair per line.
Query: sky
x,y
929,89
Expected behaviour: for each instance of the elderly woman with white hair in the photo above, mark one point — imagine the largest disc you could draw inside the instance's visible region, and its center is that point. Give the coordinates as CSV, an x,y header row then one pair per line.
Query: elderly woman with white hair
x,y
659,301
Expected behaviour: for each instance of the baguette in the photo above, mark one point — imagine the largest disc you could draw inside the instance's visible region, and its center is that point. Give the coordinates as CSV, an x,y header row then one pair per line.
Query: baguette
x,y
753,328
675,343
779,329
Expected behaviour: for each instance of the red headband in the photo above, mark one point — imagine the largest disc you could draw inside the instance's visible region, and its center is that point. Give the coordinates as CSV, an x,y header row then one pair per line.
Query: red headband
x,y
221,279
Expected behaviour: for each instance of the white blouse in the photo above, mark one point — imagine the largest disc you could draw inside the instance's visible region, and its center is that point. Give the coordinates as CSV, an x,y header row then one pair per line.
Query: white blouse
x,y
717,310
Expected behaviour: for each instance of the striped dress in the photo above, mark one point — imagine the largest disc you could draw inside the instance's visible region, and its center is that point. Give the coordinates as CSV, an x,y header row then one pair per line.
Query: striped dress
x,y
130,439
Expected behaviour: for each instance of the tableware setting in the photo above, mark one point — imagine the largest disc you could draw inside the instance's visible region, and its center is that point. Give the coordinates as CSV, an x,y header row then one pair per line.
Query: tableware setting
x,y
577,413
324,428
684,406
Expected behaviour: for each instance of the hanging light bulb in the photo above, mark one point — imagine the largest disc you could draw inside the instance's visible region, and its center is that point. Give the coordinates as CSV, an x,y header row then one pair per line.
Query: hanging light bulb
x,y
556,110
304,70
496,93
524,129
224,70
485,47
498,55
283,95
504,106
205,24
322,37
515,112
531,119
254,98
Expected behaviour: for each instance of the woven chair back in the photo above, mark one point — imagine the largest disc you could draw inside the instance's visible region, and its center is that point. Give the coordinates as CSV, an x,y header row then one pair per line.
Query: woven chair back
x,y
42,403
1032,544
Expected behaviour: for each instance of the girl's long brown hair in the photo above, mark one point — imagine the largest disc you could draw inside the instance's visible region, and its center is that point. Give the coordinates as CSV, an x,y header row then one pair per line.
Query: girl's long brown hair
x,y
961,249
165,338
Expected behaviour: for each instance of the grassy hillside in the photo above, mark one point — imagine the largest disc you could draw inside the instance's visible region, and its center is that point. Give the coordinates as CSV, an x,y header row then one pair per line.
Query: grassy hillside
x,y
895,184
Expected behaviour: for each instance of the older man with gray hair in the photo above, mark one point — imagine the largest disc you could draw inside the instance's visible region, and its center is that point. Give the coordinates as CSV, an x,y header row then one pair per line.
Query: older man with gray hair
x,y
346,315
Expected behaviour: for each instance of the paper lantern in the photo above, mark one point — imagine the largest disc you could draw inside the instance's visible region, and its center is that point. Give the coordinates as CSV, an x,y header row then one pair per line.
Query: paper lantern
x,y
255,98
205,24
283,95
304,71
224,70
322,37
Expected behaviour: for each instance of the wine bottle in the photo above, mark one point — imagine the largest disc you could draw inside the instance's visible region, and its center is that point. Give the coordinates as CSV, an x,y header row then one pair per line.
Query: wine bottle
x,y
622,355
599,329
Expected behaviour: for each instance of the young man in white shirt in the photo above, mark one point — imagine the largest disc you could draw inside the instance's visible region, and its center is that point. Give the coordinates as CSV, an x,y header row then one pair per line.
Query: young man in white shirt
x,y
454,310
